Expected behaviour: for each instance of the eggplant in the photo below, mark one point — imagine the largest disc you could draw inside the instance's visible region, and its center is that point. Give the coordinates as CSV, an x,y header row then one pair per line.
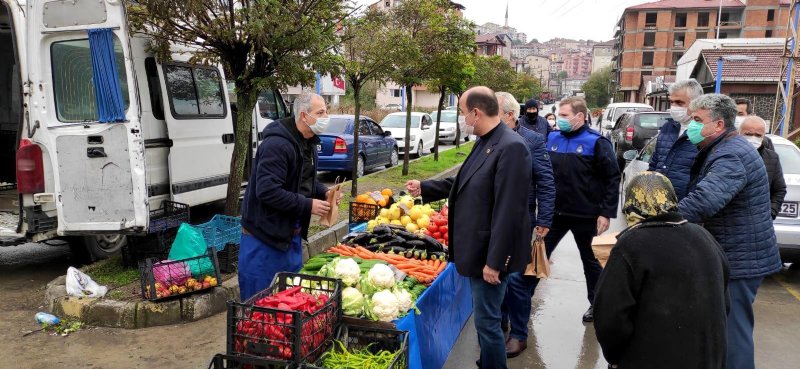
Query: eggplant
x,y
362,239
432,243
375,247
348,238
395,250
417,244
382,230
439,255
401,243
407,235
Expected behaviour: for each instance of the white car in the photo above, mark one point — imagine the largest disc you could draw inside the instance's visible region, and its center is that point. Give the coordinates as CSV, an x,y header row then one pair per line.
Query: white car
x,y
447,127
787,224
615,111
423,134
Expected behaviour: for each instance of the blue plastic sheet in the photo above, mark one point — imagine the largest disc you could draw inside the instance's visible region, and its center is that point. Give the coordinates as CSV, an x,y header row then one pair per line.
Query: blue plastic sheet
x,y
445,307
107,89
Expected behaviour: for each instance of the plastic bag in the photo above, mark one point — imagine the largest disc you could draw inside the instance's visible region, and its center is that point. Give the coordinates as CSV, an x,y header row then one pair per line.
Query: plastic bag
x,y
169,272
189,243
81,285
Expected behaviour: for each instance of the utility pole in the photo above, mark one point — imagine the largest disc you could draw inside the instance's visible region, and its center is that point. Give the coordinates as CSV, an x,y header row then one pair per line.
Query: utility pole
x,y
719,18
784,103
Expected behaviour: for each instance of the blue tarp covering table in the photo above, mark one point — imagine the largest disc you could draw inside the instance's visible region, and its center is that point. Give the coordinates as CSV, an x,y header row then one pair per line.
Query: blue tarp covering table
x,y
445,307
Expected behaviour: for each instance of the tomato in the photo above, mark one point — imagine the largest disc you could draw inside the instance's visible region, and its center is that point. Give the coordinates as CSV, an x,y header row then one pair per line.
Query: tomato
x,y
441,240
437,235
441,222
443,229
445,237
433,228
428,233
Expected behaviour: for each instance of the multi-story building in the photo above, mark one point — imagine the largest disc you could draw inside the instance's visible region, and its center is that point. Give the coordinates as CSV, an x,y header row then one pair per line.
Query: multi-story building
x,y
652,37
577,64
602,53
539,67
494,44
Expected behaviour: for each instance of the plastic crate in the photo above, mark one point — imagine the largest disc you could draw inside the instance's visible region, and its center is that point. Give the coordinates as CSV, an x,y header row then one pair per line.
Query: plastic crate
x,y
170,215
221,230
155,274
292,335
361,212
358,227
375,340
228,258
138,248
222,361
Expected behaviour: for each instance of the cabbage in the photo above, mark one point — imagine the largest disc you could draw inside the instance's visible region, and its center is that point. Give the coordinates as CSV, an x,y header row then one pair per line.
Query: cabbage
x,y
381,276
352,302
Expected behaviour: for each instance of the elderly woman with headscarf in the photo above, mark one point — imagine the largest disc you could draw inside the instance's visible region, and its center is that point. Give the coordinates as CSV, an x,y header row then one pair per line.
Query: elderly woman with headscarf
x,y
661,301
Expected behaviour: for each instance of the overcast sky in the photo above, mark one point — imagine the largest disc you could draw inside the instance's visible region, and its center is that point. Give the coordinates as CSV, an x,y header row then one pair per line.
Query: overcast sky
x,y
546,19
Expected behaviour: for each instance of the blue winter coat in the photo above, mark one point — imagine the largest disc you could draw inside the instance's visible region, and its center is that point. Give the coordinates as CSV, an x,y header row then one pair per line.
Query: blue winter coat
x,y
542,198
729,195
540,126
674,157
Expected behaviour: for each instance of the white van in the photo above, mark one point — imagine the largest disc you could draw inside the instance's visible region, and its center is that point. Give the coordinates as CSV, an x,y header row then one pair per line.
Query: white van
x,y
62,171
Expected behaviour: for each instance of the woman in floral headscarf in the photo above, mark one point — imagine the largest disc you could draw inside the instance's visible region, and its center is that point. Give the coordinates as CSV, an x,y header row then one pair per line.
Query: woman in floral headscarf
x,y
661,301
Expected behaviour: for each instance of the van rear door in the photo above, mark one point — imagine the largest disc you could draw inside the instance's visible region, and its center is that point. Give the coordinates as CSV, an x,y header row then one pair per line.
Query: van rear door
x,y
84,116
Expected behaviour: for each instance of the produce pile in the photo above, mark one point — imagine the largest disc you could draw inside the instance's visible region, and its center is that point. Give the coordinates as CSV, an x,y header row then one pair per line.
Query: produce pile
x,y
419,219
167,287
382,198
270,324
372,290
342,358
393,239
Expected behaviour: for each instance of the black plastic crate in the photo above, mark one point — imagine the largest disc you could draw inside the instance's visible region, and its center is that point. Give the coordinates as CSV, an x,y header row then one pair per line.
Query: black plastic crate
x,y
374,340
222,361
285,334
138,248
156,275
228,258
361,212
170,215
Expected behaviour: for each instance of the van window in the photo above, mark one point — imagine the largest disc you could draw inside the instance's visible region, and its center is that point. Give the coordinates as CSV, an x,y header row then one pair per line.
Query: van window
x,y
267,106
154,87
194,92
72,80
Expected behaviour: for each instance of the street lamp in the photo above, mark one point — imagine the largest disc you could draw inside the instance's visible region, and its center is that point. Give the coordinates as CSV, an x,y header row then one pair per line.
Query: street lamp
x,y
730,58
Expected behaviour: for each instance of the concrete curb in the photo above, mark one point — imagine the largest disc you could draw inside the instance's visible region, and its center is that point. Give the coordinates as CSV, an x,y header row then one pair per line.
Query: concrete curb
x,y
102,312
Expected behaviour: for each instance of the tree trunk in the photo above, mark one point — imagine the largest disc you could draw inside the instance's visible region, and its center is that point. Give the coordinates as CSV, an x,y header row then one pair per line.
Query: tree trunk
x,y
246,101
408,129
442,89
356,127
458,125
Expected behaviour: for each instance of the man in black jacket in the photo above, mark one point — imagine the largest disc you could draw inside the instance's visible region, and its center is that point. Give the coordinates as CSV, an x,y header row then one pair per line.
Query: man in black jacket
x,y
531,119
753,129
490,230
282,194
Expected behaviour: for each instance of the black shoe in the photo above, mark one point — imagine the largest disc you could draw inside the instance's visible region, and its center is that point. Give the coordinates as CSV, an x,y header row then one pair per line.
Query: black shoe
x,y
588,316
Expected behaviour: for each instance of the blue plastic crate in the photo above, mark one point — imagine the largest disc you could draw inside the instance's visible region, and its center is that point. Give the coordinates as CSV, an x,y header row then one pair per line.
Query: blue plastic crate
x,y
358,227
221,230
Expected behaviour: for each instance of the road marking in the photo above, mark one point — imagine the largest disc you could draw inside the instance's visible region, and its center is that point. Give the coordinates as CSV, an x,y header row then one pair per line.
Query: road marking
x,y
782,281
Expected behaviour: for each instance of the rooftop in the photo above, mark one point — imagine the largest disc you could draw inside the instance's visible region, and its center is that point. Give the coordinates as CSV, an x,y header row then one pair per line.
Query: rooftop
x,y
764,66
687,4
493,39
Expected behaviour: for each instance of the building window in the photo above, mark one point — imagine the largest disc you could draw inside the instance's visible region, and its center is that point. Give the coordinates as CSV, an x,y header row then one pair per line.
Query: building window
x,y
647,73
647,58
770,15
768,33
396,92
702,20
649,39
680,20
650,19
675,57
680,39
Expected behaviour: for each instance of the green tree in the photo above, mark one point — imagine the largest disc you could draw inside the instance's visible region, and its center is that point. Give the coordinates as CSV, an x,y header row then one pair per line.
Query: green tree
x,y
267,44
494,72
526,87
598,87
370,49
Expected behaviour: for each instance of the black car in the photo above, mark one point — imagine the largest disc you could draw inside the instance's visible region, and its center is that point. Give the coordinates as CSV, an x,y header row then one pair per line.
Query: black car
x,y
633,130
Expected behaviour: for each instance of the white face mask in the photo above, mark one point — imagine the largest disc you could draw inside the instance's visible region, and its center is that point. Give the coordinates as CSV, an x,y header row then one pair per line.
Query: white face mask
x,y
319,126
755,141
738,122
469,130
680,115
552,123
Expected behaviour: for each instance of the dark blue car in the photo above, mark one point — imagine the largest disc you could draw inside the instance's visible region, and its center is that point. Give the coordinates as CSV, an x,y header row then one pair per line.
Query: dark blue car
x,y
376,147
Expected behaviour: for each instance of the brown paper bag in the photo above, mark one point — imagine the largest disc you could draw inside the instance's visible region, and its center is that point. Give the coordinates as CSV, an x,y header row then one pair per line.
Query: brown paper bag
x,y
539,266
602,245
333,215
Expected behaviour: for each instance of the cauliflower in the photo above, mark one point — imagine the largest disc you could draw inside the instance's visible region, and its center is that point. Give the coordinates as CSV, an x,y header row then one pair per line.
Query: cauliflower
x,y
383,306
352,302
381,276
347,270
404,300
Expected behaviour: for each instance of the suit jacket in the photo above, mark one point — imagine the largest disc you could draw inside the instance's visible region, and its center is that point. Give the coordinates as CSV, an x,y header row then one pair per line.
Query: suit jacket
x,y
488,216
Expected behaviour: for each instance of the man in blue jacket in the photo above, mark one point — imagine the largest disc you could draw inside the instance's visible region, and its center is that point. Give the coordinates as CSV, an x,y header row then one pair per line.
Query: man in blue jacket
x,y
532,121
674,153
729,195
282,194
517,303
587,186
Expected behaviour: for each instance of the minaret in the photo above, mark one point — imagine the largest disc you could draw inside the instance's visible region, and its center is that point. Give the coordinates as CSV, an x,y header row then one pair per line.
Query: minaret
x,y
506,25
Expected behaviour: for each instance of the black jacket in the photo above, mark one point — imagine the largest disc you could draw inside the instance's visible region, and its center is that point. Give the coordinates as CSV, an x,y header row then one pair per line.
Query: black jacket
x,y
540,126
272,206
777,185
662,299
488,217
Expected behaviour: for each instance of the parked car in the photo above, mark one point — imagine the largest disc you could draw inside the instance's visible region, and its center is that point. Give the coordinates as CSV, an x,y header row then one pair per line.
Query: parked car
x,y
787,224
377,148
447,127
633,130
615,110
422,135
392,107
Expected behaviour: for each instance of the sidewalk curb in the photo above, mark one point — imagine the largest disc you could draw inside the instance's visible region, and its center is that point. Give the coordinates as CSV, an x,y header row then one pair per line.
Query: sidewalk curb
x,y
103,312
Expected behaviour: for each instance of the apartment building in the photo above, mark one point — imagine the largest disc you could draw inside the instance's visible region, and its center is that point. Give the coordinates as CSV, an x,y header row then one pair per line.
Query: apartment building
x,y
650,38
538,66
602,53
577,64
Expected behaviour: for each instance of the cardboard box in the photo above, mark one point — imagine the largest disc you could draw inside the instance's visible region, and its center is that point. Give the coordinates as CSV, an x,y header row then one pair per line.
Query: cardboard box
x,y
602,245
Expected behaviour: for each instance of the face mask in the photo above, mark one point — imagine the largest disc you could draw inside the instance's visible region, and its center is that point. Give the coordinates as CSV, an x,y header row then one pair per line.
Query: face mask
x,y
679,115
755,141
564,125
532,116
461,120
738,122
469,130
320,125
694,132
551,122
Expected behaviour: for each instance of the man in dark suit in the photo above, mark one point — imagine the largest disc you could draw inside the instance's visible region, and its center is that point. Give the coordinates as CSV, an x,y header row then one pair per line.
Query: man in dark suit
x,y
490,232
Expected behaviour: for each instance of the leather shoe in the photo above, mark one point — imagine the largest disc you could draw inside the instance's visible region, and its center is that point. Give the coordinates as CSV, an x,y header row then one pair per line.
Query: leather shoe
x,y
514,347
588,316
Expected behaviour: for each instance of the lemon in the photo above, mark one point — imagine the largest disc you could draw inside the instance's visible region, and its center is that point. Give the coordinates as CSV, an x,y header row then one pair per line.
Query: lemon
x,y
411,227
424,221
405,220
396,222
386,213
415,213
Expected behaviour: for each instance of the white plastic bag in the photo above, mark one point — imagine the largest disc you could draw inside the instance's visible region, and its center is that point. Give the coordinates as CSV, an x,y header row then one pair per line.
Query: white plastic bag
x,y
81,285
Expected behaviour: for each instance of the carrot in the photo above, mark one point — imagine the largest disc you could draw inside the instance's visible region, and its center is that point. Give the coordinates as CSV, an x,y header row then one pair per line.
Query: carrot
x,y
436,264
365,252
441,267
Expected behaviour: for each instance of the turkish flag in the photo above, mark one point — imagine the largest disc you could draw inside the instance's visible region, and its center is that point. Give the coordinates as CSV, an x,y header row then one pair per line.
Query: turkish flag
x,y
338,82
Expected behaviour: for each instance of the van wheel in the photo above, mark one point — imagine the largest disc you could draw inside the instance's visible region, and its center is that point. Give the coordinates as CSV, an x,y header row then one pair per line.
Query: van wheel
x,y
98,247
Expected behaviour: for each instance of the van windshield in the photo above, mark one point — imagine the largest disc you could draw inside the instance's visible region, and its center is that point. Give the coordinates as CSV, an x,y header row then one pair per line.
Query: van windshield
x,y
399,121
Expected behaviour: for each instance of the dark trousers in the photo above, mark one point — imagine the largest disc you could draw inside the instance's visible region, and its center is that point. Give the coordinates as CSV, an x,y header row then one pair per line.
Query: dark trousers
x,y
740,323
259,262
486,301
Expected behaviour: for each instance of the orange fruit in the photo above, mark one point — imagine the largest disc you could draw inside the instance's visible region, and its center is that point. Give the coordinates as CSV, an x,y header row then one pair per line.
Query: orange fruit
x,y
371,201
382,203
386,192
363,198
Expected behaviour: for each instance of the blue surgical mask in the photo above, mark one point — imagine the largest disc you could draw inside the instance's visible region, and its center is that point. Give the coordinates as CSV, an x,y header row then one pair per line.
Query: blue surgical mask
x,y
564,125
320,125
694,132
